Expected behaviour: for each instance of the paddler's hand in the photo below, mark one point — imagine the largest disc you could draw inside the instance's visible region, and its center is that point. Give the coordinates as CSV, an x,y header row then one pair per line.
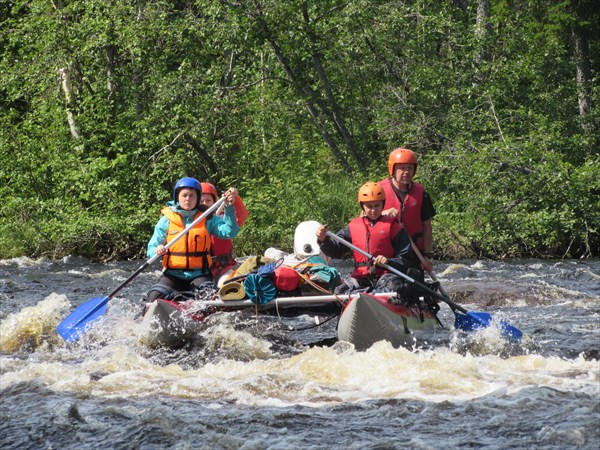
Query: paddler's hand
x,y
321,233
427,264
392,212
161,250
380,261
230,196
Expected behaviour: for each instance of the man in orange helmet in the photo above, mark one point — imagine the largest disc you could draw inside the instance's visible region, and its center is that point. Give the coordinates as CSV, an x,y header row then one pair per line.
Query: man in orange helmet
x,y
408,201
378,235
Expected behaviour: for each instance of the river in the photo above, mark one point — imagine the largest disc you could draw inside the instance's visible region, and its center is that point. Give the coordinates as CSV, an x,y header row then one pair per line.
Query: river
x,y
248,383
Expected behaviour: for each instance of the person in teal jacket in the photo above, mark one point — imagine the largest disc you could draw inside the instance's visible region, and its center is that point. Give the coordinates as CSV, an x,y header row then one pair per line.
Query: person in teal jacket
x,y
186,264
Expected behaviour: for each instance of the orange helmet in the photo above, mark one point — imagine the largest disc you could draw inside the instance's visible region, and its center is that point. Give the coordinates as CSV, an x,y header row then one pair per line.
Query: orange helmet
x,y
401,156
370,192
208,188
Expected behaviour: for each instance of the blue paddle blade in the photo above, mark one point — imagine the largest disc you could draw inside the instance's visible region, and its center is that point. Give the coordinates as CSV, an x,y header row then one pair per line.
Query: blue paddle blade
x,y
510,332
76,323
474,320
471,321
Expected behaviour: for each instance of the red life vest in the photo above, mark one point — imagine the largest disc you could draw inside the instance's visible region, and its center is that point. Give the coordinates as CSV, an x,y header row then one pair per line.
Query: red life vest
x,y
222,255
374,239
221,249
410,211
192,251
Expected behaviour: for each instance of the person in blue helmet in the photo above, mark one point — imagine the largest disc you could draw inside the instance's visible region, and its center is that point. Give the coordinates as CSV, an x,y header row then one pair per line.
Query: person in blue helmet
x,y
187,263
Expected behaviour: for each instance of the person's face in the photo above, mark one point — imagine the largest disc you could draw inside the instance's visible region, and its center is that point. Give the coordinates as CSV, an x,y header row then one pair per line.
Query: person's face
x,y
373,209
403,173
187,198
207,200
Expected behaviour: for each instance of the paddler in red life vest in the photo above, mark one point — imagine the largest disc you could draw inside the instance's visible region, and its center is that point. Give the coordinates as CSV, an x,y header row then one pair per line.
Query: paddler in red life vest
x,y
221,250
408,201
378,235
186,265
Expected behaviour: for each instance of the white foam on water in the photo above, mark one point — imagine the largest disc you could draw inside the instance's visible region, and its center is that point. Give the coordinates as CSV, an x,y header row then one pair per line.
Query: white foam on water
x,y
253,375
24,262
33,325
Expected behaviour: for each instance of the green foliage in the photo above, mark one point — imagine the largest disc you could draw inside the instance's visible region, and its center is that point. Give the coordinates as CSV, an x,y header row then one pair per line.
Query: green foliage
x,y
296,104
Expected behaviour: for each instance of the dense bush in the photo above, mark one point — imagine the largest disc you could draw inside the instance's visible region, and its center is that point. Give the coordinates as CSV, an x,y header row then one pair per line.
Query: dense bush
x,y
105,105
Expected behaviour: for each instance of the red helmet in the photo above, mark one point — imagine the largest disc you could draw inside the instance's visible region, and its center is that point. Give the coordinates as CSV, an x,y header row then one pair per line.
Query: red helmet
x,y
208,188
370,192
401,156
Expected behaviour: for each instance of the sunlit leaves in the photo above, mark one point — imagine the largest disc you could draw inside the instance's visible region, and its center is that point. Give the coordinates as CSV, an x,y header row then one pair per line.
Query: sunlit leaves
x,y
164,89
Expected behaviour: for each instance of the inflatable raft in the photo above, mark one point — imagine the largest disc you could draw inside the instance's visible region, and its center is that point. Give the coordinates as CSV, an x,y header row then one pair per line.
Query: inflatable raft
x,y
367,319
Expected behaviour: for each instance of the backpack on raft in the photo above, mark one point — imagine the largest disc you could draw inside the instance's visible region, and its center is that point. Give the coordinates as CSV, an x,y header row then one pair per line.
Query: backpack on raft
x,y
259,289
250,265
327,276
286,279
320,277
268,270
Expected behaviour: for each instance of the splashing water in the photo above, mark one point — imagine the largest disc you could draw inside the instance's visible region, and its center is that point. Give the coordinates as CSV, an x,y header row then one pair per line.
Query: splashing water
x,y
33,325
252,383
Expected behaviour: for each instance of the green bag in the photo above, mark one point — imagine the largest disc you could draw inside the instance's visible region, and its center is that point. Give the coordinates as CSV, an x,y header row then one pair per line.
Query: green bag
x,y
326,276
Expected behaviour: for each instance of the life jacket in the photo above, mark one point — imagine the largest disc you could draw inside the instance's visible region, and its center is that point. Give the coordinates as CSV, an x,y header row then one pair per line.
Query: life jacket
x,y
192,251
221,252
374,239
410,209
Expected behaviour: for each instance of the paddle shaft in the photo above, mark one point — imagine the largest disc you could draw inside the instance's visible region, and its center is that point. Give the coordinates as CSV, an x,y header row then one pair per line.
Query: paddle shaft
x,y
169,245
430,272
389,268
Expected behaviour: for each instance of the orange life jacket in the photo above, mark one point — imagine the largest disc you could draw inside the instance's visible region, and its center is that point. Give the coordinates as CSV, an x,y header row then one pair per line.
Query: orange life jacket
x,y
374,239
192,251
410,210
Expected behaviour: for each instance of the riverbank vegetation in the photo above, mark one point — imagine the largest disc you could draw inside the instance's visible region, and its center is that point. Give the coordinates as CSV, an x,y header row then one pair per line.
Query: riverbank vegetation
x,y
105,104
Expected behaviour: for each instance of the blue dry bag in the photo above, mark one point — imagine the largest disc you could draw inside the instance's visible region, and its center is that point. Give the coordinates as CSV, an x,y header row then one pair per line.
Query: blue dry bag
x,y
259,289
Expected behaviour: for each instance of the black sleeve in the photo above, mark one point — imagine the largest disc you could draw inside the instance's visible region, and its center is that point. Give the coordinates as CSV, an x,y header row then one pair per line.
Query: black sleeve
x,y
335,249
427,209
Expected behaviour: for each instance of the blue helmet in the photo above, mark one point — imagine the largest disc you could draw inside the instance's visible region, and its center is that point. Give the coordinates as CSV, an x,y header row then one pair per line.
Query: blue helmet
x,y
187,182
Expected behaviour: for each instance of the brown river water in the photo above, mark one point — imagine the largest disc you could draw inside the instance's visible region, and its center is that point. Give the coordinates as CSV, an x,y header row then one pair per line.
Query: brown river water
x,y
248,383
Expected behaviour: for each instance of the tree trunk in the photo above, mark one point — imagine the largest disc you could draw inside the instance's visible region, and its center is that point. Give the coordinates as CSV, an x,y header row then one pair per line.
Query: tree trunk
x,y
482,34
110,71
302,90
333,110
309,97
584,75
65,83
204,156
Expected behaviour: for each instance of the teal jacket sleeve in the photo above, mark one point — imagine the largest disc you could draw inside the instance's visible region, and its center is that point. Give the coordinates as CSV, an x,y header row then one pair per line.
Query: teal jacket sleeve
x,y
159,236
225,227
